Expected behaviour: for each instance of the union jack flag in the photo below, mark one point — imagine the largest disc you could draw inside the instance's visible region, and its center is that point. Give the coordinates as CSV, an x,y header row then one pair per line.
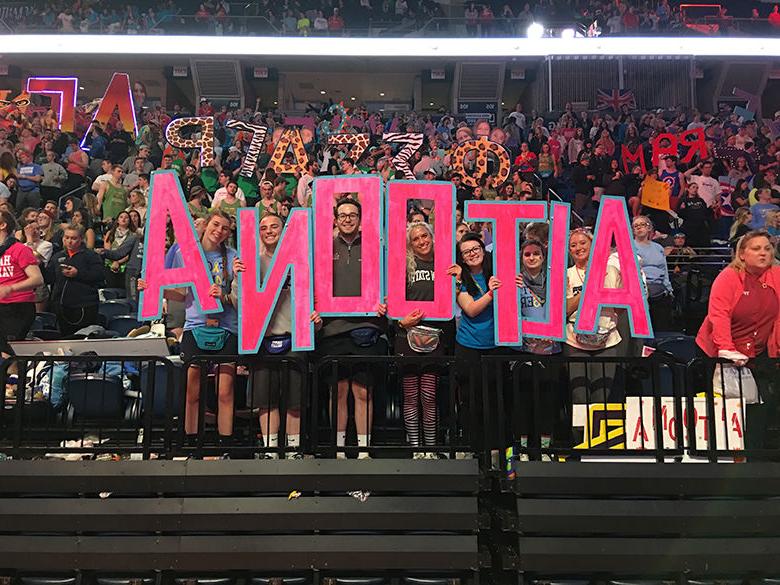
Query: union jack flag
x,y
614,99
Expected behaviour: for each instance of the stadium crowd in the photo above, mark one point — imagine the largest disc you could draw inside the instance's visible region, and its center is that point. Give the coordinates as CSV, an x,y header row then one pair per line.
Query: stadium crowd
x,y
337,17
72,221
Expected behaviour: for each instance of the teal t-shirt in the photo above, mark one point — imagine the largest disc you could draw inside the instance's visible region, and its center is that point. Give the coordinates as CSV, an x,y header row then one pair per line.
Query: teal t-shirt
x,y
477,332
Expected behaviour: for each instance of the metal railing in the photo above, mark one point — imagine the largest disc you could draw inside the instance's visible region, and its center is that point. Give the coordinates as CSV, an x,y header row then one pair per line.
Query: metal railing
x,y
513,407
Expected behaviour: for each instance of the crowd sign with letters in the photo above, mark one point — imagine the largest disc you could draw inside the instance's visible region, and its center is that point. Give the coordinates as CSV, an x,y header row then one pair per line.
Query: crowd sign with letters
x,y
384,260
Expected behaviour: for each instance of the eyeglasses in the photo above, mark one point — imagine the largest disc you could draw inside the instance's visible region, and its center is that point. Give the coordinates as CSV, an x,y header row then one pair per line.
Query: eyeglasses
x,y
471,251
344,216
642,224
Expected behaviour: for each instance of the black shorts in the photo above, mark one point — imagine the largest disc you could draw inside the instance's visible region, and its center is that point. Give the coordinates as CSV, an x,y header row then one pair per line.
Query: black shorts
x,y
402,348
360,372
189,348
270,378
15,322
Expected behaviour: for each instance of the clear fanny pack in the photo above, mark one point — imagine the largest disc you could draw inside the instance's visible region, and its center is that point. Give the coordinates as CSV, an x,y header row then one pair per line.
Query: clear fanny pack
x,y
423,339
597,339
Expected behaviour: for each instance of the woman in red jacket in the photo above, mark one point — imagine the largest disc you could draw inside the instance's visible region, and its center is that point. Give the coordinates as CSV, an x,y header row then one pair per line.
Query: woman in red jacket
x,y
743,324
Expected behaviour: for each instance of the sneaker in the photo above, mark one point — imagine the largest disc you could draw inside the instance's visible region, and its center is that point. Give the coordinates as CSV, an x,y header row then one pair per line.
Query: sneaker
x,y
364,455
268,456
341,455
464,455
296,455
419,455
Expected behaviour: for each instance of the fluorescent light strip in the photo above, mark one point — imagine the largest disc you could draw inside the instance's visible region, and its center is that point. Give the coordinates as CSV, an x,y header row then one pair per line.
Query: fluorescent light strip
x,y
375,47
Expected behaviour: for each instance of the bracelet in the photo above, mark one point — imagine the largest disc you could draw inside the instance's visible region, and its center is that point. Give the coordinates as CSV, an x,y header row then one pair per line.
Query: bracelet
x,y
458,283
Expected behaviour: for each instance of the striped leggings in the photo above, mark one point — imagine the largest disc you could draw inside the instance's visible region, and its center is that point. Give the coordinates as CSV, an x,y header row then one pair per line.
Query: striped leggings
x,y
420,389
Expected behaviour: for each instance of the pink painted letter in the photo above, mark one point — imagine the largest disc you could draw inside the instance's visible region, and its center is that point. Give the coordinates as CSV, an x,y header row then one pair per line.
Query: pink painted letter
x,y
612,224
292,257
443,196
368,190
167,200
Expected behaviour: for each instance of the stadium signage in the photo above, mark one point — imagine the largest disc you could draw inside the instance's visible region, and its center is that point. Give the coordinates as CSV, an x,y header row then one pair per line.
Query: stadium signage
x,y
383,270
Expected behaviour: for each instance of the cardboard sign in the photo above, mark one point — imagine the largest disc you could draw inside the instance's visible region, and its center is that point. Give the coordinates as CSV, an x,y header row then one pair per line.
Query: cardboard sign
x,y
483,147
63,91
166,199
367,189
118,96
292,259
259,132
655,193
290,139
441,308
205,143
612,225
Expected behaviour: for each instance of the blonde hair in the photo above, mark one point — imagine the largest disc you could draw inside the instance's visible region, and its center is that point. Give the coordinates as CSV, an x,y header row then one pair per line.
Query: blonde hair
x,y
737,263
411,259
740,218
771,218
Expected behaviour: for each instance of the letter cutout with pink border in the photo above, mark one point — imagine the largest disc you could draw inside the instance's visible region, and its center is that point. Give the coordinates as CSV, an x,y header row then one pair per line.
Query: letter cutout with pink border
x,y
118,95
555,325
326,190
63,92
442,307
505,217
293,259
167,199
613,224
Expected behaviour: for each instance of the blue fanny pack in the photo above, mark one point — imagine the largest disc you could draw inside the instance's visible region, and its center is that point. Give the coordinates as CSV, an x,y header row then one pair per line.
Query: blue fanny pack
x,y
365,336
276,344
210,338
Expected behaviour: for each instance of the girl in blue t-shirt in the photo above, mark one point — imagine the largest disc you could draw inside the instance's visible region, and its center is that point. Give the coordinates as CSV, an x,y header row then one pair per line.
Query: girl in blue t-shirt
x,y
475,284
209,334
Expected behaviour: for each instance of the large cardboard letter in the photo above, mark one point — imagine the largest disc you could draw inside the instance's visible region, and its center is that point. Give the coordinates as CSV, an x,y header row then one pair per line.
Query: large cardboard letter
x,y
291,138
613,225
205,143
259,132
441,308
694,140
359,143
555,325
118,95
63,91
659,151
412,142
367,189
636,157
292,259
483,146
166,199
505,216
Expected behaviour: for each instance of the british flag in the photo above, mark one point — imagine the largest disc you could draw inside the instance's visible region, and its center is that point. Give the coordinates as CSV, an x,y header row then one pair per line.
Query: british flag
x,y
615,99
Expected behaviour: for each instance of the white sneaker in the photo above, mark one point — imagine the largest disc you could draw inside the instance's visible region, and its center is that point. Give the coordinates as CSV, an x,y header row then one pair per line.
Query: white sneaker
x,y
463,455
341,455
364,455
294,455
419,455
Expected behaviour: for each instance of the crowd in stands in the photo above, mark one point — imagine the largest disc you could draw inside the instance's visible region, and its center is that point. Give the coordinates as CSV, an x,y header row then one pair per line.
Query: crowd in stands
x,y
72,221
337,17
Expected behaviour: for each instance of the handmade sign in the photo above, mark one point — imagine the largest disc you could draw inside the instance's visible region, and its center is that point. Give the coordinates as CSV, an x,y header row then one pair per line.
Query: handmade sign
x,y
20,102
655,193
166,199
118,96
693,139
367,189
412,142
259,132
62,91
443,196
629,159
359,143
292,259
613,226
205,143
291,138
506,217
483,146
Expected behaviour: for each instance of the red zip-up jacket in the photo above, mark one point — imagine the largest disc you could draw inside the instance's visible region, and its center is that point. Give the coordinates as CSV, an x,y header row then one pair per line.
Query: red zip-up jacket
x,y
715,333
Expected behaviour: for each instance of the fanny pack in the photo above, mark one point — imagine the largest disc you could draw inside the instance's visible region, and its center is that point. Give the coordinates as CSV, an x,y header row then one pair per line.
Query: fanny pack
x,y
210,338
597,339
277,344
423,339
365,336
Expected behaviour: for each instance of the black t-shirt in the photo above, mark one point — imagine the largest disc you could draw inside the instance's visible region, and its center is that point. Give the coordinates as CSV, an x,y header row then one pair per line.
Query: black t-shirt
x,y
419,286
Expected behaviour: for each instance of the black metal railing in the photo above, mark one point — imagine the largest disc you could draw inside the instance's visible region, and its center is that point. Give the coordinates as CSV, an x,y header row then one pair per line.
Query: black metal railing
x,y
511,408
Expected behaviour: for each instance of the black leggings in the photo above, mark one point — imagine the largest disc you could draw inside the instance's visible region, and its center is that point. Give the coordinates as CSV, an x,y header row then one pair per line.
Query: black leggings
x,y
15,321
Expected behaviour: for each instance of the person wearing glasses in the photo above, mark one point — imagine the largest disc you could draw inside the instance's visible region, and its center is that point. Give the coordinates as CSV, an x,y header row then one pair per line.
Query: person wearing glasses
x,y
361,336
475,286
652,260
